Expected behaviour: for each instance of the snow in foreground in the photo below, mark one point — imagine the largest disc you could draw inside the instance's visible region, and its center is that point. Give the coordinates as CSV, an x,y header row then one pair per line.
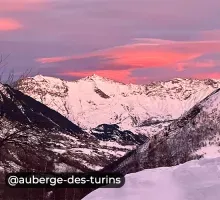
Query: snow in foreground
x,y
194,180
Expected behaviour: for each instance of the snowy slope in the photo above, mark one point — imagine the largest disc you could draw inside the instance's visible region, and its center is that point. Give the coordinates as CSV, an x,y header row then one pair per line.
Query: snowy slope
x,y
132,107
194,135
35,138
194,180
46,134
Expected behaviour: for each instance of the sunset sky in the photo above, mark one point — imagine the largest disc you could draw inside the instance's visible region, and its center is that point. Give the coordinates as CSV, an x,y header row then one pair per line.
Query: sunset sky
x,y
133,41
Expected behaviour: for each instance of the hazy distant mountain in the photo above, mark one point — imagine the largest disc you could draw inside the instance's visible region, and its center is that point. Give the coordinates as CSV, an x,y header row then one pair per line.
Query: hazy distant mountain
x,y
138,108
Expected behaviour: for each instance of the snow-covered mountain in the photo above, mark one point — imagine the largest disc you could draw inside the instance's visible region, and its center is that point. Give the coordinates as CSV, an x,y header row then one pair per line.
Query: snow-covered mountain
x,y
194,180
181,115
29,126
34,137
196,134
138,108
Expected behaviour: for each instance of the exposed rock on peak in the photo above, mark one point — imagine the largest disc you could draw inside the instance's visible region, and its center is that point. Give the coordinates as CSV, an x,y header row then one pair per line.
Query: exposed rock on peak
x,y
110,102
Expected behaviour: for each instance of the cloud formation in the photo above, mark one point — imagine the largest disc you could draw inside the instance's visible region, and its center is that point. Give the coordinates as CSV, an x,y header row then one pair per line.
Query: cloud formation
x,y
7,24
124,76
21,5
149,54
118,38
215,75
210,34
120,62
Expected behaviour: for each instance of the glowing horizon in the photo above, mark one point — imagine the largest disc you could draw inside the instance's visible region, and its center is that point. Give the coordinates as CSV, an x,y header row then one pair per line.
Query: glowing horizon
x,y
133,41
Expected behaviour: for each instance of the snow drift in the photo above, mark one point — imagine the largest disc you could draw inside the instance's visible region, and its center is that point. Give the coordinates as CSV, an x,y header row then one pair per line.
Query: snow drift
x,y
194,180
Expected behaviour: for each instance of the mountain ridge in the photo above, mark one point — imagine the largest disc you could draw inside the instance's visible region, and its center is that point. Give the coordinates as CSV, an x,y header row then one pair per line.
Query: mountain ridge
x,y
196,134
19,109
130,106
178,137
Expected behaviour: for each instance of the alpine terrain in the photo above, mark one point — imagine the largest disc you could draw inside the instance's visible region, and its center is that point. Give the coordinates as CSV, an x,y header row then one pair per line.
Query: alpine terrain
x,y
34,137
196,134
48,124
144,109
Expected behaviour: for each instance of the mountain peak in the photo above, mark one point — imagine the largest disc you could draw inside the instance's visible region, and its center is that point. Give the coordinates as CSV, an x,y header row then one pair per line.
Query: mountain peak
x,y
40,77
93,77
96,77
51,80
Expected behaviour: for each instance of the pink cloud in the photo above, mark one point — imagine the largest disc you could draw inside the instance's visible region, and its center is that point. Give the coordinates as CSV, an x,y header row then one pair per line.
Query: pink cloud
x,y
150,53
52,60
210,35
198,64
145,53
122,75
7,24
20,5
215,75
